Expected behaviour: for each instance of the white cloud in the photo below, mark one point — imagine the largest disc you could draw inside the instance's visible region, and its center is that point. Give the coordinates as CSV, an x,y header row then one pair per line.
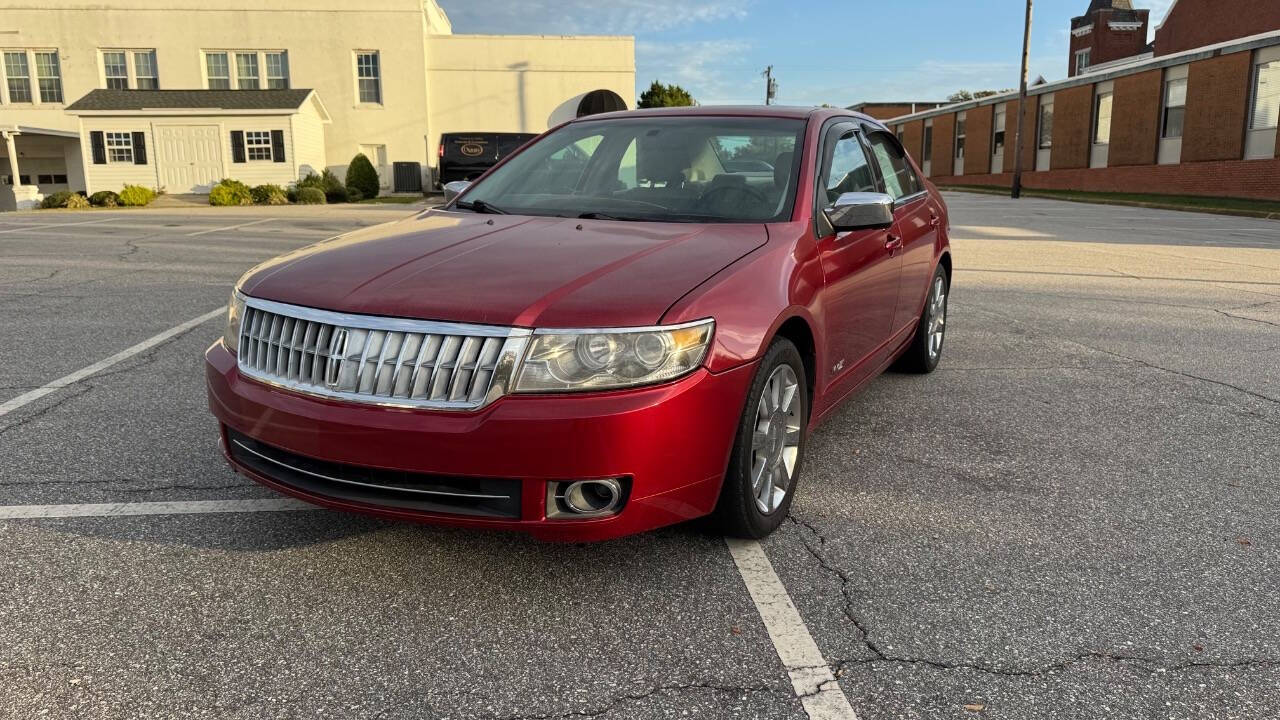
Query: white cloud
x,y
567,17
1158,8
697,66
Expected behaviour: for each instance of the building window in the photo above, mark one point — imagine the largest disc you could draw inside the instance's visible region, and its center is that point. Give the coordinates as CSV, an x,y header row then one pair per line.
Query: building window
x,y
1045,132
997,131
369,77
1266,96
1175,106
115,70
145,74
960,135
247,71
49,77
1102,119
119,147
928,143
1082,60
18,74
278,70
217,71
257,144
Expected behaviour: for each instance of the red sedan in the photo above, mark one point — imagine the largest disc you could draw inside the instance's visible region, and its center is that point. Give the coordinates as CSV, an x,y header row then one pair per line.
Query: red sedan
x,y
633,321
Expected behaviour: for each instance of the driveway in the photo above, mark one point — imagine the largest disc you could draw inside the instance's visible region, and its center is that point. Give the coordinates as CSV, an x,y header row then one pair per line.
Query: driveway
x,y
1074,517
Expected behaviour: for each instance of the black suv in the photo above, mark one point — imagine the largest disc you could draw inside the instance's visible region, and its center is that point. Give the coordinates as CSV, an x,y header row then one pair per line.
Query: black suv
x,y
464,156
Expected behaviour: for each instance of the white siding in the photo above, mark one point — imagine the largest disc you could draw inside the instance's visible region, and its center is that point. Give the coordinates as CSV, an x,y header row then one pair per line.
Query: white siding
x,y
114,176
308,143
259,172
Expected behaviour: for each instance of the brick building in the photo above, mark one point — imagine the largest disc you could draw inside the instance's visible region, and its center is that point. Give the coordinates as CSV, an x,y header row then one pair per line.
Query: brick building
x,y
1177,117
886,110
1109,30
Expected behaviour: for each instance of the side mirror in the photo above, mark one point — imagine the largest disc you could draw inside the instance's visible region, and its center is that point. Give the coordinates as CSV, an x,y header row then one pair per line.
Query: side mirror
x,y
454,189
860,211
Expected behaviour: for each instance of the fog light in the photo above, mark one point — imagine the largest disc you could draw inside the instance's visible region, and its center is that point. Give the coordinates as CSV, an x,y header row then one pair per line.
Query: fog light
x,y
585,498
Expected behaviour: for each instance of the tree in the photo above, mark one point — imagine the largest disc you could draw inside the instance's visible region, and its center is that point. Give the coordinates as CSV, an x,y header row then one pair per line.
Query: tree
x,y
361,176
659,95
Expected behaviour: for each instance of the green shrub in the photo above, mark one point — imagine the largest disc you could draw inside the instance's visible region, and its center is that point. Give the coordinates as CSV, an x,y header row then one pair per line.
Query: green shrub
x,y
311,180
354,194
104,198
310,196
56,200
268,195
361,176
136,196
335,195
230,192
77,202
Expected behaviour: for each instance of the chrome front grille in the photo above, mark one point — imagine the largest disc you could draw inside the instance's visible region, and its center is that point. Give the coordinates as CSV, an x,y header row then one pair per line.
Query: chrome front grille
x,y
382,361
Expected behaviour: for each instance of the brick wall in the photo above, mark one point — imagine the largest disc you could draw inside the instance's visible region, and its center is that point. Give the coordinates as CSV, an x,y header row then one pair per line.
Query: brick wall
x,y
1029,114
1217,102
1072,118
1106,44
1259,179
1195,23
1135,118
944,129
885,111
913,139
978,129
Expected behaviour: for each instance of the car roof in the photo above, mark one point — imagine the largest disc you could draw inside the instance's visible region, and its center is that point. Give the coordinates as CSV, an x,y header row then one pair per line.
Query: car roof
x,y
774,111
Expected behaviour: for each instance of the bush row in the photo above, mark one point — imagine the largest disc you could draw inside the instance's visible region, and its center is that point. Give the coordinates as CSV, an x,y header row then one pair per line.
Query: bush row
x,y
129,196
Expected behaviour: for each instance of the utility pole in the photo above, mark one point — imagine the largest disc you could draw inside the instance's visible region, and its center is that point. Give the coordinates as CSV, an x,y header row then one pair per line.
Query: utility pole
x,y
1016,190
770,86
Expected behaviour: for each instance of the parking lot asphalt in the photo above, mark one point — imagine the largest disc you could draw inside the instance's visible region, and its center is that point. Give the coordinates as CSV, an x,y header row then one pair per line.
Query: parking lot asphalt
x,y
1074,517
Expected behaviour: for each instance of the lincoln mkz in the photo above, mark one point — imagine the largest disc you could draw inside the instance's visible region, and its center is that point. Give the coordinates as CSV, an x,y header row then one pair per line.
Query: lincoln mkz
x,y
633,321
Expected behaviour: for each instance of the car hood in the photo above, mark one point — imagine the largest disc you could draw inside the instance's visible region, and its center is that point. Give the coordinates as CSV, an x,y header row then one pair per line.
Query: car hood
x,y
507,269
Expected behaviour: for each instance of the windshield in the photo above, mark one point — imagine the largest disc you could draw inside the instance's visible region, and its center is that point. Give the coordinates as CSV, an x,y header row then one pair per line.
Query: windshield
x,y
666,169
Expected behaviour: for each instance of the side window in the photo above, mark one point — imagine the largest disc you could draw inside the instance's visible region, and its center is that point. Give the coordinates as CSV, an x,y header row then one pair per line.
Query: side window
x,y
899,179
847,169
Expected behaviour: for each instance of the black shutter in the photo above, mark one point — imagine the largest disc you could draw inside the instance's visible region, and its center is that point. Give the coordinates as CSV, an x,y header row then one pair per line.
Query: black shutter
x,y
237,146
99,146
139,148
277,145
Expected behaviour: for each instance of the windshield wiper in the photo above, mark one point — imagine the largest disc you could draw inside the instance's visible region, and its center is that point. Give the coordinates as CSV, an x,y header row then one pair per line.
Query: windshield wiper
x,y
608,216
479,206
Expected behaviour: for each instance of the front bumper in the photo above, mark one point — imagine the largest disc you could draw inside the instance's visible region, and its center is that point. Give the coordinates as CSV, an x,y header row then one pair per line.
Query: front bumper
x,y
671,441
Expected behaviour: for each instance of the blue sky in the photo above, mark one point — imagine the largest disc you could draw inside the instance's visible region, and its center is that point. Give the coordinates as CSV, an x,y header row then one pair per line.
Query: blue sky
x,y
823,51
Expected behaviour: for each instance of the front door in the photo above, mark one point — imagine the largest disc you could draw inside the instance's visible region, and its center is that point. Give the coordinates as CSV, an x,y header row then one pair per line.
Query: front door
x,y
188,157
860,268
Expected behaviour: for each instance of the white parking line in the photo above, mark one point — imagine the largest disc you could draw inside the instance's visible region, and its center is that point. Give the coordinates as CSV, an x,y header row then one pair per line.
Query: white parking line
x,y
184,507
33,226
229,227
810,676
75,377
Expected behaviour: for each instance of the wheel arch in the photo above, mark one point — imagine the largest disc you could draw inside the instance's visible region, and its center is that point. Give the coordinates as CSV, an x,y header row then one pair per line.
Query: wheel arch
x,y
799,331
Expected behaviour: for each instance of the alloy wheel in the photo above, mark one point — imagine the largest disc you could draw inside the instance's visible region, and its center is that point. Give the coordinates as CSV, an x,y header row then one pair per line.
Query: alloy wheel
x,y
775,442
937,316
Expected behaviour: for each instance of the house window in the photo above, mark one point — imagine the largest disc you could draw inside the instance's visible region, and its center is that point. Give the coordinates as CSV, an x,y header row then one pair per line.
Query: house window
x,y
247,71
217,71
115,70
257,144
49,77
1082,60
18,74
1102,119
369,77
997,131
1175,106
57,179
277,70
1045,132
119,147
144,70
960,135
1265,113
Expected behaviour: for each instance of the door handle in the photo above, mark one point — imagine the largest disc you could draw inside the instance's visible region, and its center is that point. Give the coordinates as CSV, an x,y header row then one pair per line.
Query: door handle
x,y
893,243
934,220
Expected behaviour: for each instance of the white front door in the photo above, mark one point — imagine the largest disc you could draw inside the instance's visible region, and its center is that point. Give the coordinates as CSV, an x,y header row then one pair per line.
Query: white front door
x,y
188,157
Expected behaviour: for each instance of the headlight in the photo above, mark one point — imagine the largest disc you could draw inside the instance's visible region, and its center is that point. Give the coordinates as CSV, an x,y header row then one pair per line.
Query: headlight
x,y
568,360
235,312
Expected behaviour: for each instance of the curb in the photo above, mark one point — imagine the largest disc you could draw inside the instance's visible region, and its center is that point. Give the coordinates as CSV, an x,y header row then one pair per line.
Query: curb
x,y
1260,214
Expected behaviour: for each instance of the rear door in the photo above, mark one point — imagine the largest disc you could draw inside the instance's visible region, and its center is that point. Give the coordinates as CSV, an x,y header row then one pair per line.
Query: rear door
x,y
860,268
916,219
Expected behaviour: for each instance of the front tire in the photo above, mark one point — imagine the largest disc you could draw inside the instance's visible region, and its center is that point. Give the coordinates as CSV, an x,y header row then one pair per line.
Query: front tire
x,y
926,346
768,450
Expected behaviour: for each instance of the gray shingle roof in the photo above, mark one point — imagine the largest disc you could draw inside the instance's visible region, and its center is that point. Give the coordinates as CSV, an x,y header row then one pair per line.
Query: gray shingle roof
x,y
192,99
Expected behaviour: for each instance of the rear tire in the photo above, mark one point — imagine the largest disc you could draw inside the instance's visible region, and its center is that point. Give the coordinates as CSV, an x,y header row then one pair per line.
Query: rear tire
x,y
768,451
926,347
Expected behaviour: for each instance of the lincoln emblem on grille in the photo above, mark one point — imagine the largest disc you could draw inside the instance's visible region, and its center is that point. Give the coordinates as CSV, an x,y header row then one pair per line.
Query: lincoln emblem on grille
x,y
337,351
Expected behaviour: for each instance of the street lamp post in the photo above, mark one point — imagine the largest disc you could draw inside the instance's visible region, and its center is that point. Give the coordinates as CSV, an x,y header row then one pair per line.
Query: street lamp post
x,y
1016,190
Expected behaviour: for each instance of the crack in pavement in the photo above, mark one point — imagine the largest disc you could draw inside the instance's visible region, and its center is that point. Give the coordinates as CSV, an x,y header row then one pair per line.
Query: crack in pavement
x,y
80,391
880,656
660,689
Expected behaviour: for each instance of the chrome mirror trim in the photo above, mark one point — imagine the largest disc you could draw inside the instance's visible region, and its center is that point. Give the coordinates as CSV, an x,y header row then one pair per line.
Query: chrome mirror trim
x,y
454,189
860,211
